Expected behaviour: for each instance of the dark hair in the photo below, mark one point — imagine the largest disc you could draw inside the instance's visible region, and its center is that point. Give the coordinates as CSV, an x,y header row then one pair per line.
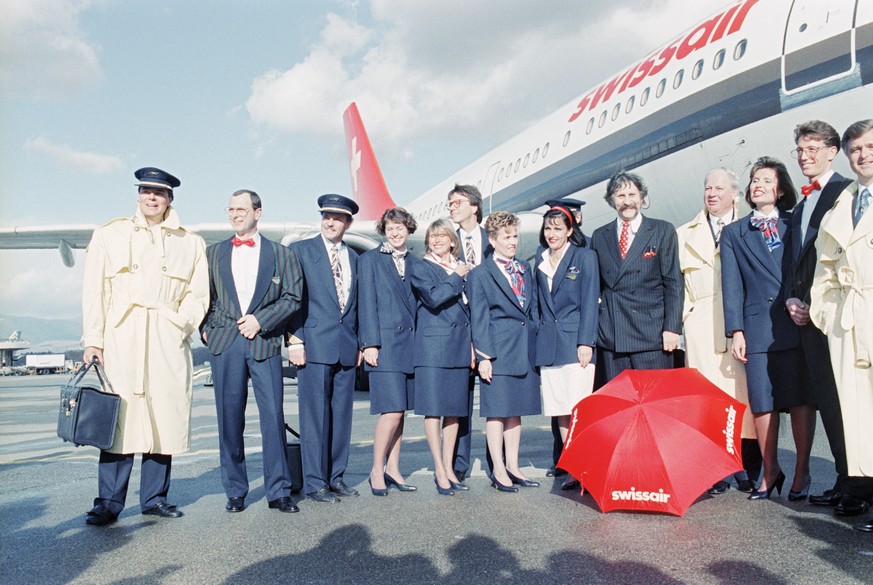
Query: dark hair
x,y
786,194
256,199
397,215
472,194
854,131
819,130
443,226
619,180
568,219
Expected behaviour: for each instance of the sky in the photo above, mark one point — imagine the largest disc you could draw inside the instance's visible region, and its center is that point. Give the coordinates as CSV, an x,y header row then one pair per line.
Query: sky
x,y
230,94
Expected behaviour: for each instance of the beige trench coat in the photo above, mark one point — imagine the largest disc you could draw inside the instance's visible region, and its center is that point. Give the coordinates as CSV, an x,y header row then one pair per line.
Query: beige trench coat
x,y
146,290
842,307
706,347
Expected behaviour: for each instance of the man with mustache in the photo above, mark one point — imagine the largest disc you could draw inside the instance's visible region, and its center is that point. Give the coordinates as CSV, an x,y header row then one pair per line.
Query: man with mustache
x,y
641,288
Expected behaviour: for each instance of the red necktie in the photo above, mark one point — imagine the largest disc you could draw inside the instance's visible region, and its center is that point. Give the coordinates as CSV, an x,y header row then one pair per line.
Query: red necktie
x,y
807,189
622,239
238,242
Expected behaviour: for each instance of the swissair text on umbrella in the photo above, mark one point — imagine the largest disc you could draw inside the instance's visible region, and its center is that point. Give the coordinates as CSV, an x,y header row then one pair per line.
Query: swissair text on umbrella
x,y
729,429
634,495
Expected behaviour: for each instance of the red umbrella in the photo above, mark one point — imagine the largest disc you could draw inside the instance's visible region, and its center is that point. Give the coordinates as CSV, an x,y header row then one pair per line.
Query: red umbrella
x,y
653,440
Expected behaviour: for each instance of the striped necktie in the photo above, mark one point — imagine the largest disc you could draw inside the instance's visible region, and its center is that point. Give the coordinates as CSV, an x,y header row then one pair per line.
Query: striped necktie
x,y
861,207
469,252
337,270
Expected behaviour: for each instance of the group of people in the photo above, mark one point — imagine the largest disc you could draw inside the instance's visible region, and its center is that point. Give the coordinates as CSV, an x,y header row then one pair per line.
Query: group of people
x,y
772,306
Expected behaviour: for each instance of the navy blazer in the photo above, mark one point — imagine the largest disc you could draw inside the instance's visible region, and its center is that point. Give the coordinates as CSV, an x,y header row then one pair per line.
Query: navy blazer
x,y
277,295
751,279
641,296
386,312
442,326
503,330
567,313
329,336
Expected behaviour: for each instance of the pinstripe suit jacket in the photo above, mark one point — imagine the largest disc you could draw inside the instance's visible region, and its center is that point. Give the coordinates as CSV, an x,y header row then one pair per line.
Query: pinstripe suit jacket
x,y
329,336
640,296
386,312
278,291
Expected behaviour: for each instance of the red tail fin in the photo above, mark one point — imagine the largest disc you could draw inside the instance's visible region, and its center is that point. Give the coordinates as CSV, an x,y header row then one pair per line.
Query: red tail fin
x,y
368,186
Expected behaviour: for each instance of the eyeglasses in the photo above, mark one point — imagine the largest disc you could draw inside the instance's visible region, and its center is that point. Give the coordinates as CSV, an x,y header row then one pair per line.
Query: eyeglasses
x,y
437,236
237,211
809,151
456,203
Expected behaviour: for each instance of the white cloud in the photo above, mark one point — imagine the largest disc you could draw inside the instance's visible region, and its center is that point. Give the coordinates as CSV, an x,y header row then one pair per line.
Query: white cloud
x,y
66,156
43,52
37,284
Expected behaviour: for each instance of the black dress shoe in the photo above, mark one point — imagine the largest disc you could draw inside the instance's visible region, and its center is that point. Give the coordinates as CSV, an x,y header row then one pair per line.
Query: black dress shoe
x,y
528,483
164,510
283,504
324,496
235,504
100,515
851,506
746,486
341,489
560,472
460,475
550,472
571,483
718,487
828,498
865,525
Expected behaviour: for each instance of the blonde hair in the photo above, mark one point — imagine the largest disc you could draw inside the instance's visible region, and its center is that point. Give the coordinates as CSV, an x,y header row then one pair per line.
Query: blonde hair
x,y
444,226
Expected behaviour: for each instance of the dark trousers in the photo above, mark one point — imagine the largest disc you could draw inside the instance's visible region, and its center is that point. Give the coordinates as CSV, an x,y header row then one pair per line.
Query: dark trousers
x,y
231,371
113,477
614,363
463,446
557,443
325,398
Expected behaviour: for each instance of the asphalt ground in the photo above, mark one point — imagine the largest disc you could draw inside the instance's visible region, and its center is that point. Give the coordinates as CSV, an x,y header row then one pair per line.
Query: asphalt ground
x,y
537,535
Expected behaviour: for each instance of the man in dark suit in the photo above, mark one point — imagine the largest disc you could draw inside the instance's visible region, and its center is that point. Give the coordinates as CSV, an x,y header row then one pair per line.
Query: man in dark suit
x,y
255,285
817,144
641,288
324,347
465,207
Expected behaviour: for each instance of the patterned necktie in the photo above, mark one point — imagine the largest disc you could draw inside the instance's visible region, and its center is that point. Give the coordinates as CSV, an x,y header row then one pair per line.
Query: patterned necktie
x,y
769,230
863,204
808,189
623,239
337,270
719,225
515,269
469,253
398,257
238,242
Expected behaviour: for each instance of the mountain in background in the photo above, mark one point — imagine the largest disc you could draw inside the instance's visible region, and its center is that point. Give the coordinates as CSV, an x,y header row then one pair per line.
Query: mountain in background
x,y
44,335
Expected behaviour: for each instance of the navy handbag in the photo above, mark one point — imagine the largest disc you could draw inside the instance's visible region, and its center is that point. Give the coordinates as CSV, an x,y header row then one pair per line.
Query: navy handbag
x,y
88,413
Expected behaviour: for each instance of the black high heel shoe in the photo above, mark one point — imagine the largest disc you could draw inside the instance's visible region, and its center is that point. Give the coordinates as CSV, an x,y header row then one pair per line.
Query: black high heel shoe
x,y
441,490
765,495
377,491
403,487
503,488
522,482
794,496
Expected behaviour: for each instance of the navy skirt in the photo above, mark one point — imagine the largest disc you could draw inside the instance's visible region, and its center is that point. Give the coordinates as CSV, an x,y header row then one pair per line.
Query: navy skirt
x,y
775,381
391,392
509,396
441,391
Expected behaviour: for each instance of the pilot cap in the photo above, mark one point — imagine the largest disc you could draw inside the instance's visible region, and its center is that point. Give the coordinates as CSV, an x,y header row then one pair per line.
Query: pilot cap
x,y
154,177
337,204
571,204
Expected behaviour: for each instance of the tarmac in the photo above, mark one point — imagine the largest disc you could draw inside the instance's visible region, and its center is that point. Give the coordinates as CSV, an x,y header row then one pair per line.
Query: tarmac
x,y
535,536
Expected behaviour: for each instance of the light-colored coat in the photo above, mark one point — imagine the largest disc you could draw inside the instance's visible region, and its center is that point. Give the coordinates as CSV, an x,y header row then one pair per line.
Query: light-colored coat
x,y
706,347
842,307
146,290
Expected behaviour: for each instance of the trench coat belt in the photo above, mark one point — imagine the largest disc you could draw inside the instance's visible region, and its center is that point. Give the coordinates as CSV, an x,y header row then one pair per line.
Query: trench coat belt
x,y
139,309
857,300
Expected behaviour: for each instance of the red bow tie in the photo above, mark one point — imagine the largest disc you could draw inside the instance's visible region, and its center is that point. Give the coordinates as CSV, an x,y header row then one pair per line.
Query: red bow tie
x,y
238,242
807,189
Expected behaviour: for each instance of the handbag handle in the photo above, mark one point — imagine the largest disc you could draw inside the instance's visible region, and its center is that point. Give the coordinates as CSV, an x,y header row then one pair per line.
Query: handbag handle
x,y
101,375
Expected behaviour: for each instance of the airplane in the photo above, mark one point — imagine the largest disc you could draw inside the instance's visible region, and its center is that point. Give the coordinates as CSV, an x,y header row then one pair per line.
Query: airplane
x,y
722,93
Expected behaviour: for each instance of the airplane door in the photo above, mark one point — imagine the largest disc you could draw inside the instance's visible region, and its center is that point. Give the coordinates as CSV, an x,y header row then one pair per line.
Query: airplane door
x,y
819,44
488,186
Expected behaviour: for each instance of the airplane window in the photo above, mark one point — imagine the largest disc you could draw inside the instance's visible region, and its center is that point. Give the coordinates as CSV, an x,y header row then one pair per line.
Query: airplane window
x,y
566,138
718,60
644,97
546,150
602,119
677,80
526,160
629,106
616,110
590,126
740,50
659,91
500,175
517,164
698,69
536,154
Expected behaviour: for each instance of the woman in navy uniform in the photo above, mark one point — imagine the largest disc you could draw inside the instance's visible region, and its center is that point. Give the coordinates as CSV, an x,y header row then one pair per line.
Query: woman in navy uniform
x,y
568,286
386,323
443,350
503,307
764,337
